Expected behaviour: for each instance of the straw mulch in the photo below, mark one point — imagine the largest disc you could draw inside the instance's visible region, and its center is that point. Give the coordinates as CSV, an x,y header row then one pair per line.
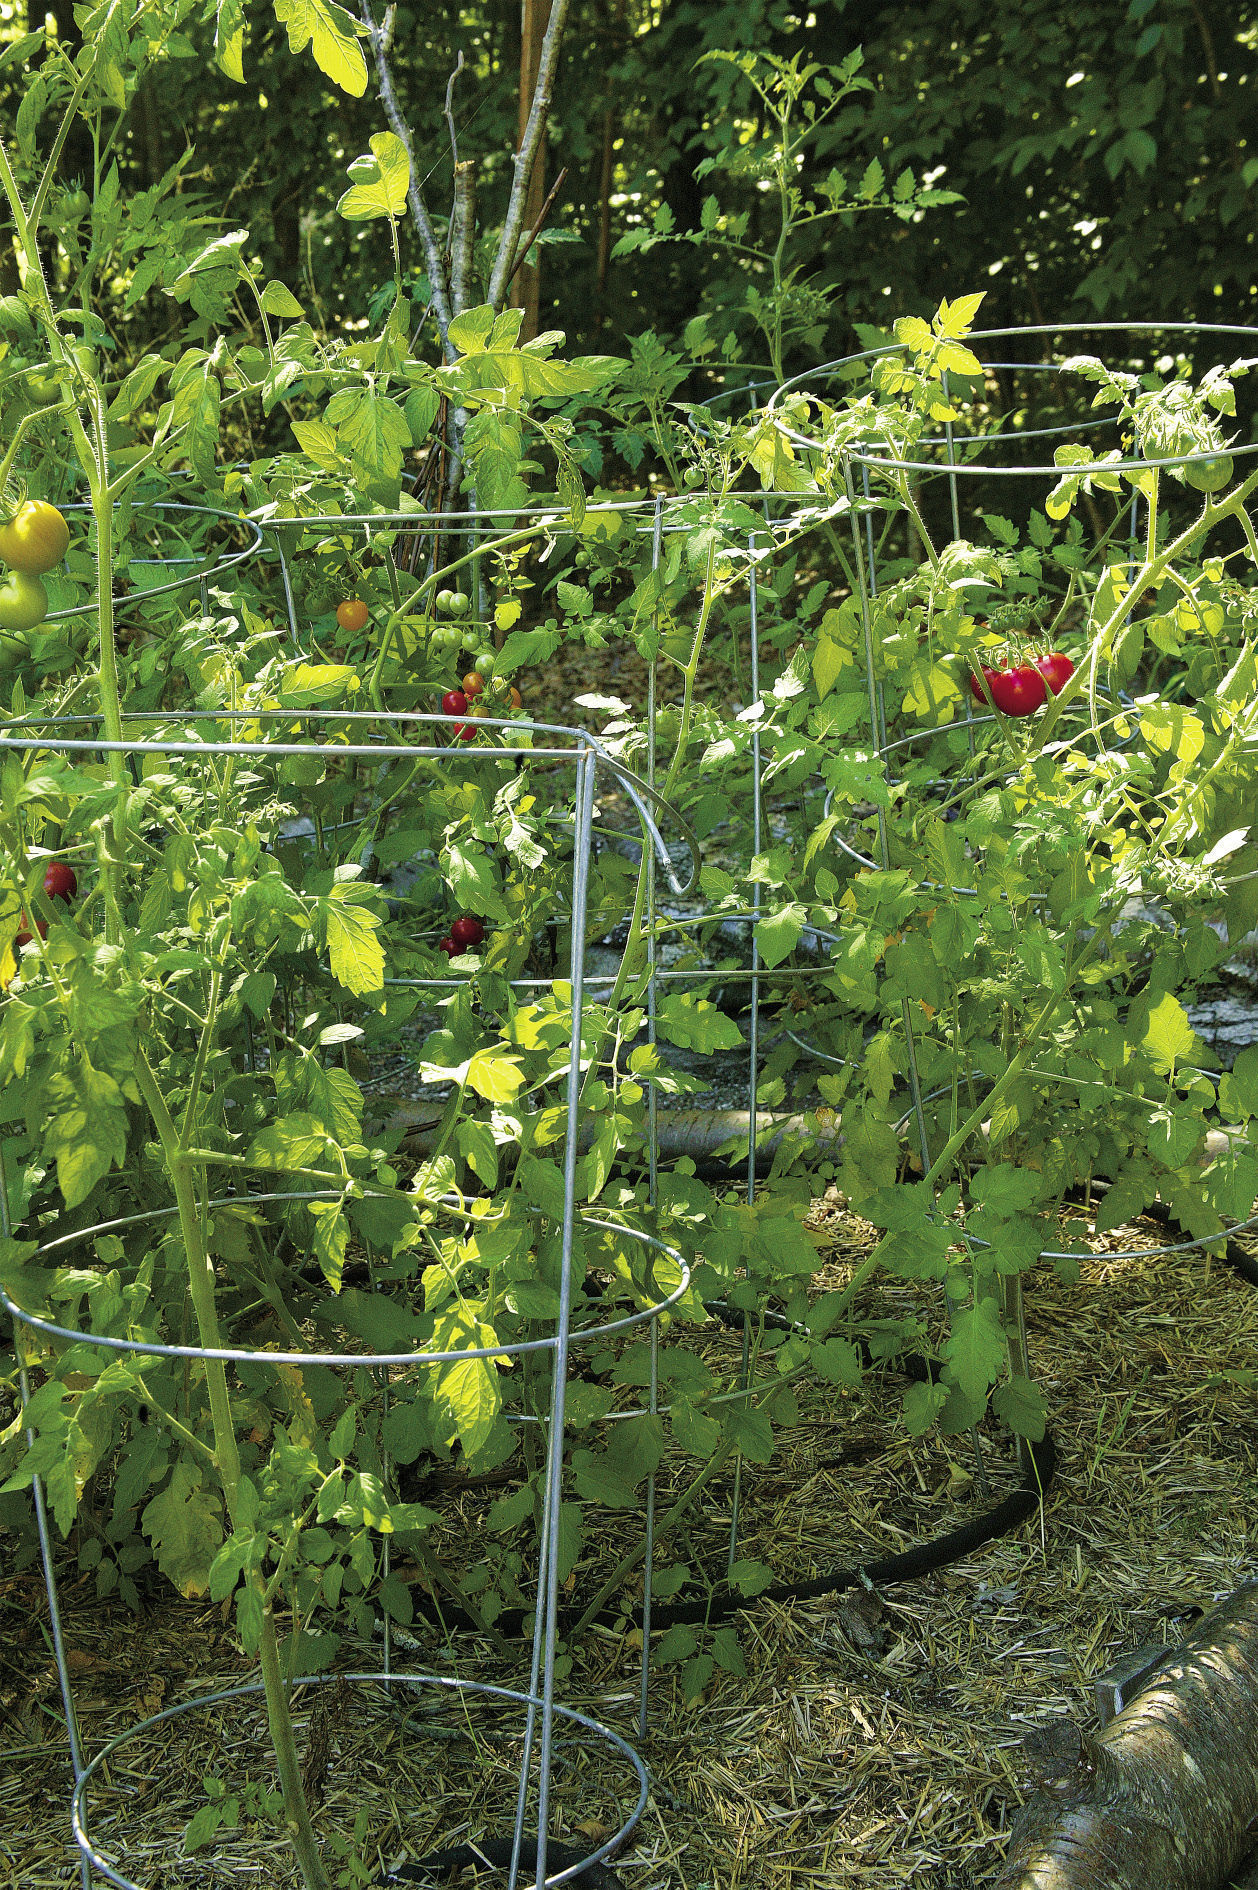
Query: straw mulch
x,y
873,1742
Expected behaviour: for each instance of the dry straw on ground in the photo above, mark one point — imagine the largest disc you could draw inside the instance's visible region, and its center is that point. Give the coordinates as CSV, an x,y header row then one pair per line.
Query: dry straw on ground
x,y
865,1747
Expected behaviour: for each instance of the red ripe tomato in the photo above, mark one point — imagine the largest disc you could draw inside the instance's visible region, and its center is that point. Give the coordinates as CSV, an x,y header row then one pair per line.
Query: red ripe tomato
x,y
1019,691
25,936
454,702
467,931
352,615
60,881
1056,670
976,687
466,731
449,947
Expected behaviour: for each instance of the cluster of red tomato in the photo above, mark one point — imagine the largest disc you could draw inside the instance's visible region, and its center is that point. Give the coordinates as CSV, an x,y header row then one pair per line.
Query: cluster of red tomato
x,y
1024,687
465,699
60,882
32,540
465,935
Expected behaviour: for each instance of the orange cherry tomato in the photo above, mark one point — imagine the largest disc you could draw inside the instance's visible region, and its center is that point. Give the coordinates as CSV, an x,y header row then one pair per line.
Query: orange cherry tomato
x,y
352,615
473,684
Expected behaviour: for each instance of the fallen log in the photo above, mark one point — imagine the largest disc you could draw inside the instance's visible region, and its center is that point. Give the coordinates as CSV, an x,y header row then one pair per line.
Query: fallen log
x,y
1165,1797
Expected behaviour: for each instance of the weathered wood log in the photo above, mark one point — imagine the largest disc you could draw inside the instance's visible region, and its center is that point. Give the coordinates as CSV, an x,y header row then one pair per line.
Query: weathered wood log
x,y
1165,1797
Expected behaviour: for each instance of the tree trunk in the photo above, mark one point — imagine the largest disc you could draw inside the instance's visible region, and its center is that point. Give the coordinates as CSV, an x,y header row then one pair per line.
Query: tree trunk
x,y
526,290
1166,1796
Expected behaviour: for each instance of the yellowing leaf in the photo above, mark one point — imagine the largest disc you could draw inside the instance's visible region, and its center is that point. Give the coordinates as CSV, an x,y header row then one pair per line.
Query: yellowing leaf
x,y
333,35
955,318
494,1076
354,952
381,181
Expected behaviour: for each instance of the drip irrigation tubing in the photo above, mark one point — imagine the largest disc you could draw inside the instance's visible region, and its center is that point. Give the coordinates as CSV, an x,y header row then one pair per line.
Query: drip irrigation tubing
x,y
908,1565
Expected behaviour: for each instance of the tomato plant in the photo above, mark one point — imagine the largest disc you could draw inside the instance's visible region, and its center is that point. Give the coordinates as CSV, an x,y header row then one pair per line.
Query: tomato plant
x,y
34,539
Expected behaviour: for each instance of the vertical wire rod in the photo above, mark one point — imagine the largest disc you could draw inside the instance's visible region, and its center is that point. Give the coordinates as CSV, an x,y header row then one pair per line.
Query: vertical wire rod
x,y
652,1136
45,1552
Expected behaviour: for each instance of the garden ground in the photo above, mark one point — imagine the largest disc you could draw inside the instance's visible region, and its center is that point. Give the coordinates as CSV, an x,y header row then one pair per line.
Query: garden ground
x,y
867,1745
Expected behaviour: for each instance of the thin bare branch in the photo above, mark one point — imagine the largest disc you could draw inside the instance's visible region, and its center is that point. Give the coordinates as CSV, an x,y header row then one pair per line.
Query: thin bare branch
x,y
504,261
437,277
449,112
537,228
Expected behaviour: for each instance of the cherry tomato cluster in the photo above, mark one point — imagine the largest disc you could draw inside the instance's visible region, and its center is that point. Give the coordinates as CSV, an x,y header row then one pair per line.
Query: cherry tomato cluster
x,y
465,935
32,540
1024,687
60,882
471,698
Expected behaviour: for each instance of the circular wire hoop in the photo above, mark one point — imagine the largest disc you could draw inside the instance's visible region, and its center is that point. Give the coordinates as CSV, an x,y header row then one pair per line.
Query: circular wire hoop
x,y
110,1867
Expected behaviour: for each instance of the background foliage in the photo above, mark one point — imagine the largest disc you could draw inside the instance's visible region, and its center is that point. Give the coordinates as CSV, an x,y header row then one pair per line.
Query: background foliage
x,y
1102,155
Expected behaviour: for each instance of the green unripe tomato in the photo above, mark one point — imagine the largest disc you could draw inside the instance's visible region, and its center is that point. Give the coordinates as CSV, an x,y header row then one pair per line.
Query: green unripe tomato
x,y
445,637
23,602
486,663
458,604
41,389
1210,475
443,602
85,360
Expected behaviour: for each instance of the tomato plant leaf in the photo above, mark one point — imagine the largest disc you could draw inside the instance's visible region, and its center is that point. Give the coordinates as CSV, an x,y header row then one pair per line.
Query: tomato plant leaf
x,y
355,953
184,1524
87,1130
331,32
381,181
975,1348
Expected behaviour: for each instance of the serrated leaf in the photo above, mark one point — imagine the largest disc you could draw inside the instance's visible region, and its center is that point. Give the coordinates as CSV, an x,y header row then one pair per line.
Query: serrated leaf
x,y
1020,1405
922,1405
354,952
956,318
693,1023
779,933
184,1524
1169,1038
750,1431
975,1348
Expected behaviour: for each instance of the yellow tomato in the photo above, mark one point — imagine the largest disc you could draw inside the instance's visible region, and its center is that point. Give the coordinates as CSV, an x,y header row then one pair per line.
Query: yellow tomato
x,y
35,538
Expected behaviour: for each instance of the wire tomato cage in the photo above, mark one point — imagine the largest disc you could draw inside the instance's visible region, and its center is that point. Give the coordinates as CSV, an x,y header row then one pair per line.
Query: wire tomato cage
x,y
204,740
